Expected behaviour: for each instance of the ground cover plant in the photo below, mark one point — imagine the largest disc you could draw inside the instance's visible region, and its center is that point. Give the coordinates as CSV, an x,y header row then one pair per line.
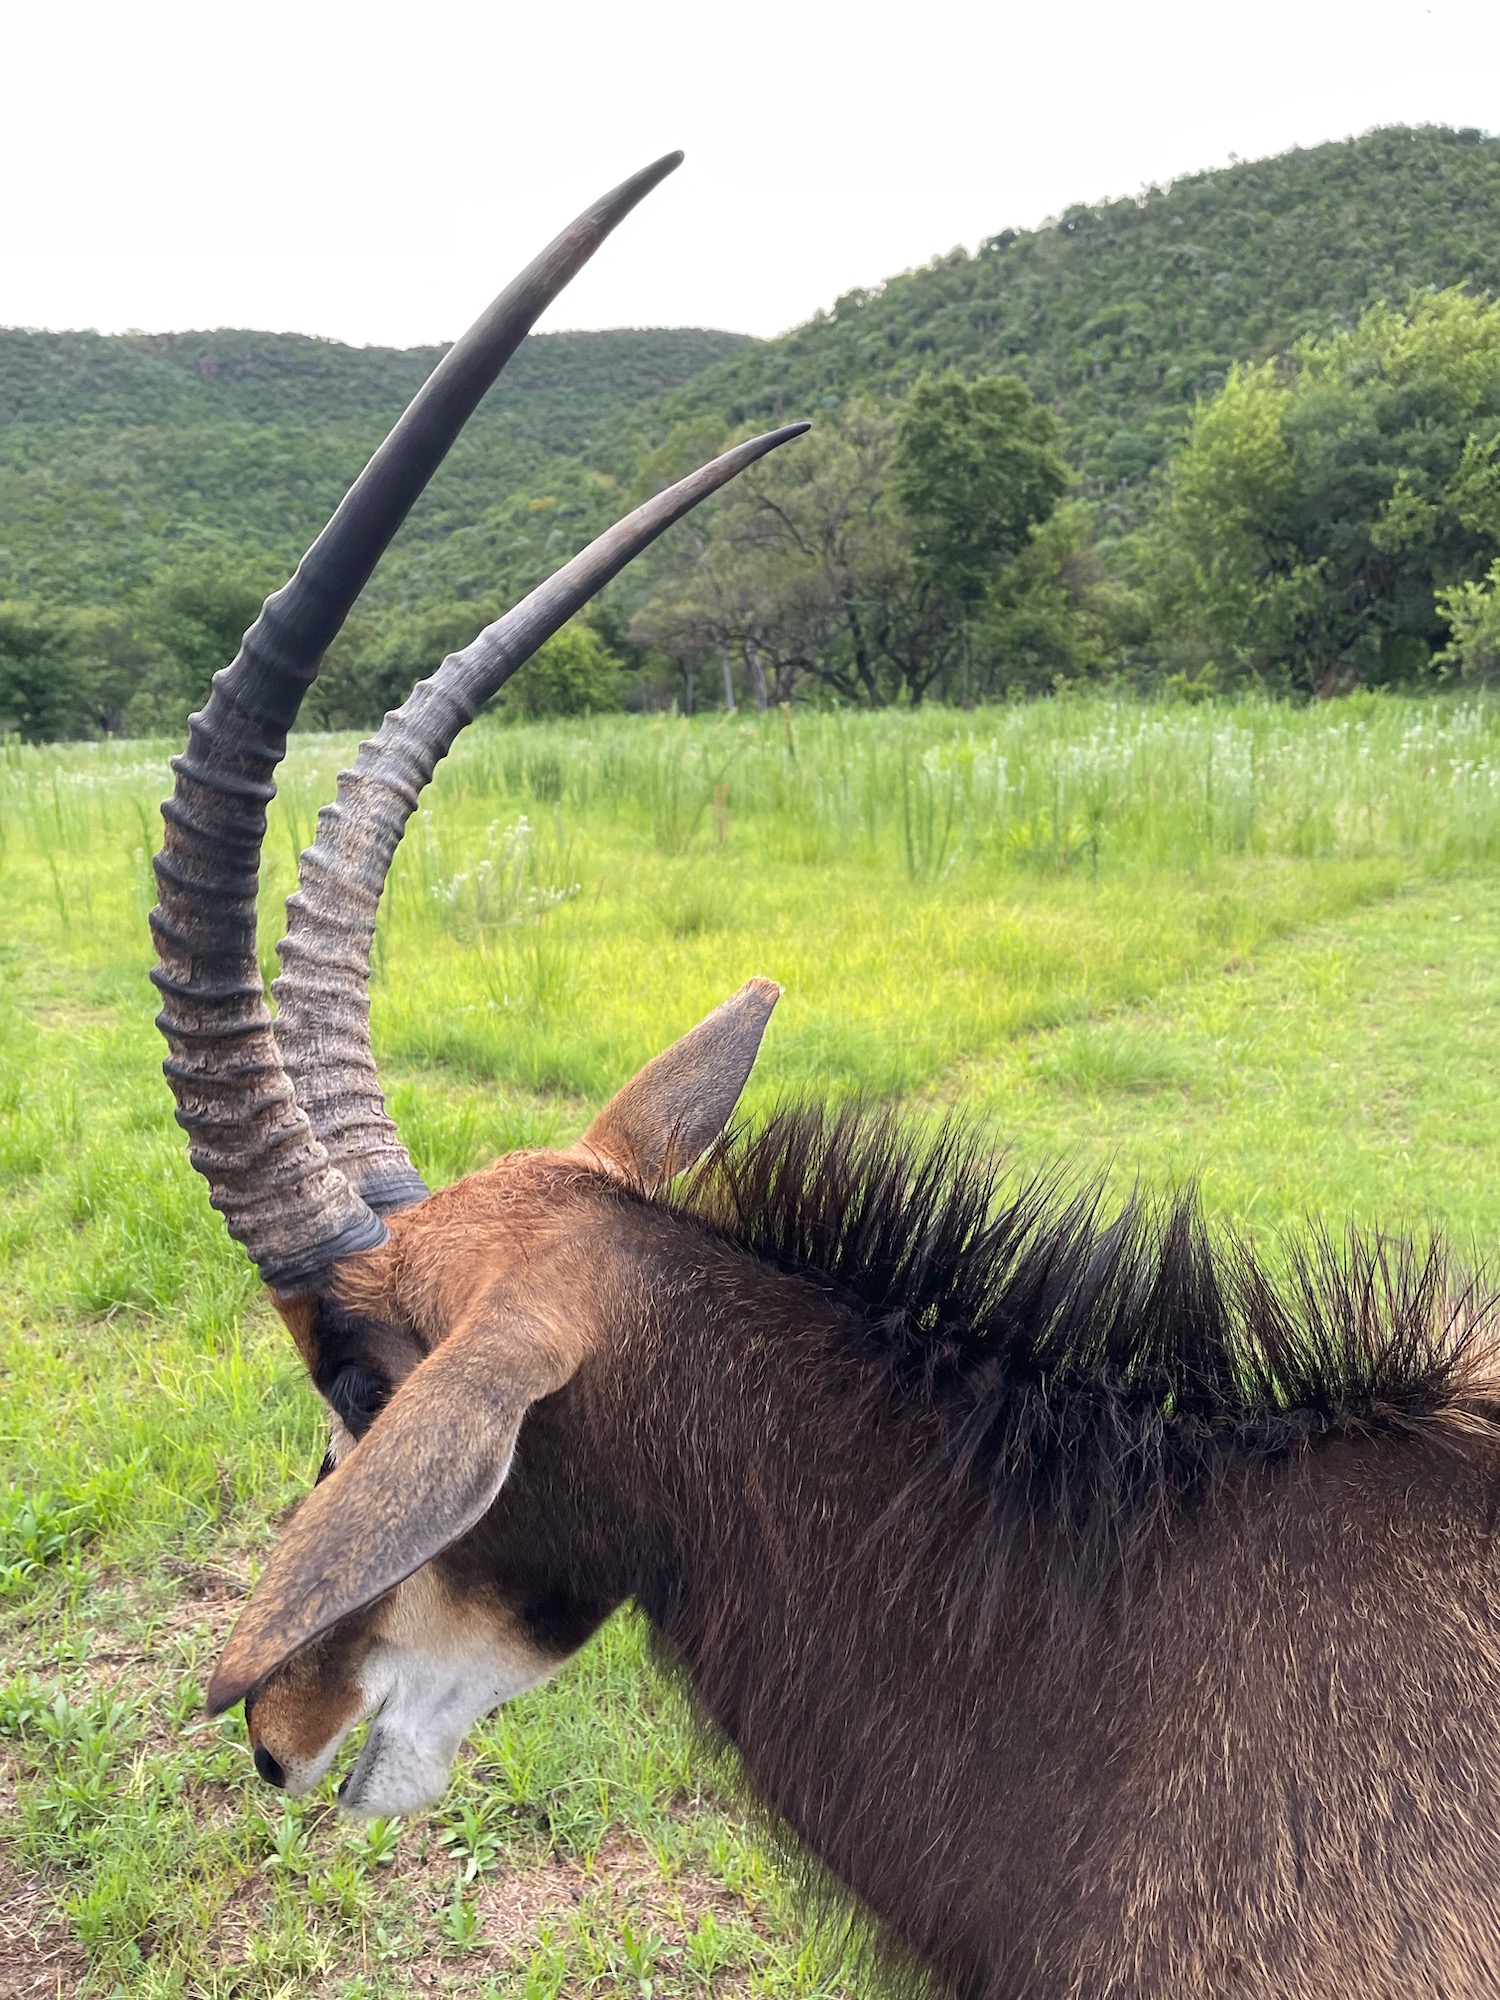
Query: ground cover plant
x,y
1249,942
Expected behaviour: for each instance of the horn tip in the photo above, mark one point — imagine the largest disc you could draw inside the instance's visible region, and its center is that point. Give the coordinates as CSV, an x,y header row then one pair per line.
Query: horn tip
x,y
642,183
768,440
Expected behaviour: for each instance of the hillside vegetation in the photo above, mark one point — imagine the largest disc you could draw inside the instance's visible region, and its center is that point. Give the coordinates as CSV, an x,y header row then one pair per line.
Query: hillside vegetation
x,y
1123,313
153,487
121,453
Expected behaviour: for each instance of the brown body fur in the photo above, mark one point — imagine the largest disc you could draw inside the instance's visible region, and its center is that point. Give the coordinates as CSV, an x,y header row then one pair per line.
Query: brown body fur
x,y
1197,1701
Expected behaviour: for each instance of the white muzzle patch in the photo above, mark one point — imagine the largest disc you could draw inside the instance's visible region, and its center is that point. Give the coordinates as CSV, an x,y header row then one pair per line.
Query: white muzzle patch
x,y
424,1706
423,1678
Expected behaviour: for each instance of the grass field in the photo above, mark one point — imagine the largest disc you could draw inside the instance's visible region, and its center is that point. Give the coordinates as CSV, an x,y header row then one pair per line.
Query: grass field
x,y
1252,945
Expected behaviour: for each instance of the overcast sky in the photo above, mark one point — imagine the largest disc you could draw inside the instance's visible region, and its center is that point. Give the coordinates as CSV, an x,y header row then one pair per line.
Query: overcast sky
x,y
375,172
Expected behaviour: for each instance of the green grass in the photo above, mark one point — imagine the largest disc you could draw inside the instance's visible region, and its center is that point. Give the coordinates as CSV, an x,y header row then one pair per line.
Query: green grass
x,y
1248,944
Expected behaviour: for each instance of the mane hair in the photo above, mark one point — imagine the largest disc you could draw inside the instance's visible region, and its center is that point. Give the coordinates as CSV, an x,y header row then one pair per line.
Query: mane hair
x,y
1103,1369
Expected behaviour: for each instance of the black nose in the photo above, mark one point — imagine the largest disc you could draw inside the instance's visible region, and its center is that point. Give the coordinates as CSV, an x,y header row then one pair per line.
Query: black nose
x,y
268,1767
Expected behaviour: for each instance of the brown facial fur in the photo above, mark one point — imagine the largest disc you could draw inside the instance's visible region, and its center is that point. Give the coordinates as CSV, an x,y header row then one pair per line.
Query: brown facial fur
x,y
498,1268
424,1475
430,1658
314,1701
489,1236
386,1309
467,1260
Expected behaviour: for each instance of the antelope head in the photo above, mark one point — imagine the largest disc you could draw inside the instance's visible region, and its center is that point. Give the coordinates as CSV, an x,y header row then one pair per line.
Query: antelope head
x,y
432,1324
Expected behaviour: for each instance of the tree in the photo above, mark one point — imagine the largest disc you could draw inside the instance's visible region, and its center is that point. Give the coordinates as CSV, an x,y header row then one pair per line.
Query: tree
x,y
815,533
574,673
780,571
976,468
118,656
1053,615
1320,512
190,619
43,683
863,558
1473,614
67,671
974,473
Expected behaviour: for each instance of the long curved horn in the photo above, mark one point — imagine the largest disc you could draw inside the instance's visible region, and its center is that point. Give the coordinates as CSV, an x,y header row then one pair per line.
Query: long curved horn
x,y
322,996
268,1173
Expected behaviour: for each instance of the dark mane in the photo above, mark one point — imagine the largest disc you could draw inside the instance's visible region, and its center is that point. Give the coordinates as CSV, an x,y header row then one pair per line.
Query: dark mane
x,y
1038,1414
1107,1362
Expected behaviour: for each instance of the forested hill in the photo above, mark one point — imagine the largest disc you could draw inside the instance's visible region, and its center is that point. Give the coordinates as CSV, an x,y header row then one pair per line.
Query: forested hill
x,y
559,385
1121,314
125,458
121,452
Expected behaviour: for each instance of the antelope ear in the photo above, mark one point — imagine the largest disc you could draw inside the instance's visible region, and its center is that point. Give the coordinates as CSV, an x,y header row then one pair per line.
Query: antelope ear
x,y
671,1112
427,1469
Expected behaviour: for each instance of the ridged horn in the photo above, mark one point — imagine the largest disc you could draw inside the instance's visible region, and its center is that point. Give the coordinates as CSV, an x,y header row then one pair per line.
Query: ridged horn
x,y
322,996
268,1173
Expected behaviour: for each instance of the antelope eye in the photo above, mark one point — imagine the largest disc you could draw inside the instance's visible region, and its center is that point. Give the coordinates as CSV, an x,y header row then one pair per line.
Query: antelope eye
x,y
357,1397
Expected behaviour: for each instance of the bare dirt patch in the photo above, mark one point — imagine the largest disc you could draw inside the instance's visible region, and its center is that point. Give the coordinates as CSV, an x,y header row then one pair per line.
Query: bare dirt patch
x,y
520,1903
673,1903
38,1960
516,1905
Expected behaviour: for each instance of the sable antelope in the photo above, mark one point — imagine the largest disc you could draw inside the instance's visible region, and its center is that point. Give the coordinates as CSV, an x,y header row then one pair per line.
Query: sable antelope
x,y
1105,1617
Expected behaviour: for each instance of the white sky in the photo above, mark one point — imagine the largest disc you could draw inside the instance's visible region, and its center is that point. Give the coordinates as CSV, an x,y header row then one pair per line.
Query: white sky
x,y
375,173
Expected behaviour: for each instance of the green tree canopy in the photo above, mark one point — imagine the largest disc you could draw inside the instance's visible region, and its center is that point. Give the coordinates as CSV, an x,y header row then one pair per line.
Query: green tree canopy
x,y
976,468
574,673
194,616
892,553
1473,614
1320,509
43,682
